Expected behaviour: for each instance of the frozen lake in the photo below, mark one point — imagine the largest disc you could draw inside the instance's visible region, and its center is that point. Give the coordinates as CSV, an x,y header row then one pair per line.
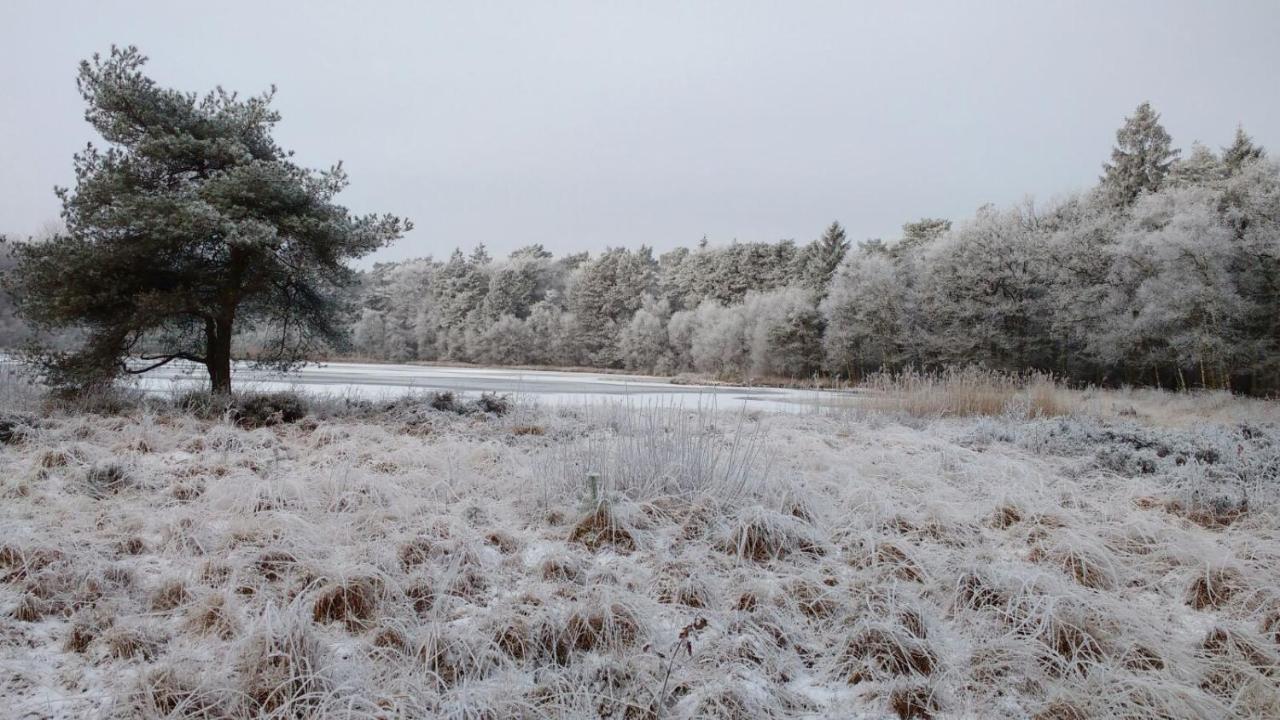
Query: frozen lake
x,y
374,381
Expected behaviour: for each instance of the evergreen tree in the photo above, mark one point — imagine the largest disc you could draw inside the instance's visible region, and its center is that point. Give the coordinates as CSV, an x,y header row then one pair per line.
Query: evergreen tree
x,y
192,225
1141,158
822,257
1241,151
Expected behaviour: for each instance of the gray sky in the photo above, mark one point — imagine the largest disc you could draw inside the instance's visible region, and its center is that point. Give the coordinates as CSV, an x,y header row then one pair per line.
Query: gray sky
x,y
581,125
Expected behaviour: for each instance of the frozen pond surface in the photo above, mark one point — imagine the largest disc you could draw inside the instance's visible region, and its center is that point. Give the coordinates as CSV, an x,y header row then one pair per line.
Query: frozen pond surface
x,y
374,381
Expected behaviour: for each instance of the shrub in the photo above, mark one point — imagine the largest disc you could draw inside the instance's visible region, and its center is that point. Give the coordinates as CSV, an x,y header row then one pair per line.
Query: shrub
x,y
494,404
268,409
14,428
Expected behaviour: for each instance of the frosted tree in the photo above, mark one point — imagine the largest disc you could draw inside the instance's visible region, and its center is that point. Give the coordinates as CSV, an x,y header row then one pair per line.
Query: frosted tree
x,y
784,333
1241,152
1201,167
984,292
1173,304
1141,157
1251,210
1081,240
190,226
719,344
821,258
866,313
505,341
605,294
643,343
370,334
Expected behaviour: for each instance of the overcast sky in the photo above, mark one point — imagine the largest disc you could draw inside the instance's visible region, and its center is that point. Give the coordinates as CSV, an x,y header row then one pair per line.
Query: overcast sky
x,y
582,125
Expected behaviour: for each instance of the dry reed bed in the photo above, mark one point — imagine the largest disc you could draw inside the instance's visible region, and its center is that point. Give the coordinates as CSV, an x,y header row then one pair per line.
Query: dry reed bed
x,y
826,566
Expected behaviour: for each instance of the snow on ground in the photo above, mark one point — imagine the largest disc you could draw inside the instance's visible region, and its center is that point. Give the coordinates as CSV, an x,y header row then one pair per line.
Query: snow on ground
x,y
636,561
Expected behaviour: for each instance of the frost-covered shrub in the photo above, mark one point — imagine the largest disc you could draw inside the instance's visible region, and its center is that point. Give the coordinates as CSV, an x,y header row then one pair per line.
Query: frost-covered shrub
x,y
267,409
493,404
14,428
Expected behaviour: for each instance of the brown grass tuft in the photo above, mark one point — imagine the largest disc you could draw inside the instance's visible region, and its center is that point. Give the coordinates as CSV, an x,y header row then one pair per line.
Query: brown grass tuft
x,y
131,642
504,542
1060,710
888,556
600,529
879,652
597,628
1086,567
1214,587
760,536
1004,517
214,615
353,602
913,702
171,594
975,591
281,667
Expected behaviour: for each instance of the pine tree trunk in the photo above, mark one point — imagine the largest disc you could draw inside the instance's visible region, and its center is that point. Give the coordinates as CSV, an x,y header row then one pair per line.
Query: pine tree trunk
x,y
218,356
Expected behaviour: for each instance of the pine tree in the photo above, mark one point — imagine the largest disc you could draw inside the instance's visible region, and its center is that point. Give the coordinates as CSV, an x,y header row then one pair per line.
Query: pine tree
x,y
1141,158
192,225
1241,152
822,257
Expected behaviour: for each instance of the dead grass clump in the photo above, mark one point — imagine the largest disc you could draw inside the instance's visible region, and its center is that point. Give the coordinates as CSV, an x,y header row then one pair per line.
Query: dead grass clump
x,y
1221,643
968,392
1088,567
421,595
1143,659
1005,516
282,668
353,601
881,651
975,591
887,556
132,545
107,479
390,638
448,659
1061,710
131,642
561,569
601,528
815,601
513,637
761,535
1270,625
275,565
214,614
597,628
186,490
171,594
51,459
679,584
80,636
1214,587
1213,514
1072,646
170,692
913,702
503,541
20,563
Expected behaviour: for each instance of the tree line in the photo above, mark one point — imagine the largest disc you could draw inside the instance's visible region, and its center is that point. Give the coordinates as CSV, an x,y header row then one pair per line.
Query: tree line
x,y
191,235
1167,272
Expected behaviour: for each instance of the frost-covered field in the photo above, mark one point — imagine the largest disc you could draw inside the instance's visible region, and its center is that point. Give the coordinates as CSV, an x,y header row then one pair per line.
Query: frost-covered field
x,y
401,561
